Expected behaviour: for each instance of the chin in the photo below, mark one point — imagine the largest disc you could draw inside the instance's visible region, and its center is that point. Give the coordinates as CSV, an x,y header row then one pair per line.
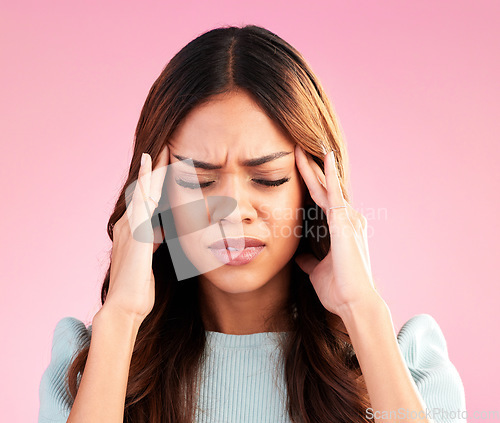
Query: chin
x,y
228,280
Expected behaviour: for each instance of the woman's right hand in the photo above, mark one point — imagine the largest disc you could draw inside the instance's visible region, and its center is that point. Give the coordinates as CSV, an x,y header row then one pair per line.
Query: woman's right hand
x,y
131,290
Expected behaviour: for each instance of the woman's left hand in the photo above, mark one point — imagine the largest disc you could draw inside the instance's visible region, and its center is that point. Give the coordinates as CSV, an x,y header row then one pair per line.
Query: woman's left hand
x,y
344,276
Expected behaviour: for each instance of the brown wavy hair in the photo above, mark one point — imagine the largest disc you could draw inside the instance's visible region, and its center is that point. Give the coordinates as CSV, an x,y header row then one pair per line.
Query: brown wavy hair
x,y
323,378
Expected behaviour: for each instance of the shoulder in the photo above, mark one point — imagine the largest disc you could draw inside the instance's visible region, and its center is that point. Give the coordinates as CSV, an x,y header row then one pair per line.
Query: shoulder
x,y
424,348
417,336
70,336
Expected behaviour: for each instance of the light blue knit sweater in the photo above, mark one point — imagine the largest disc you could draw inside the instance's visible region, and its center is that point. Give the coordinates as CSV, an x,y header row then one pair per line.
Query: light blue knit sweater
x,y
240,383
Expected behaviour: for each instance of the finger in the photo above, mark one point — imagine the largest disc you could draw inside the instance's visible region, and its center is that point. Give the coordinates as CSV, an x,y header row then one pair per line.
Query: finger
x,y
158,175
320,176
157,181
314,186
158,235
334,192
361,224
335,196
144,178
141,206
307,262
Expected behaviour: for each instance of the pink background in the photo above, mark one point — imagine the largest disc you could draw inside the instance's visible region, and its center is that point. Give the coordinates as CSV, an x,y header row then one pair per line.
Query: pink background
x,y
416,88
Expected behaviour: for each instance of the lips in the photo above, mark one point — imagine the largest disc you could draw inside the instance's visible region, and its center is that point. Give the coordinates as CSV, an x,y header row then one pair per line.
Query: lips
x,y
236,251
237,243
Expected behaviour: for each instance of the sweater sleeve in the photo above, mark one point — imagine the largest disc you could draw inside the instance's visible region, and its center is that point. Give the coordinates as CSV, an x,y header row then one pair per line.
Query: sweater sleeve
x,y
424,349
70,336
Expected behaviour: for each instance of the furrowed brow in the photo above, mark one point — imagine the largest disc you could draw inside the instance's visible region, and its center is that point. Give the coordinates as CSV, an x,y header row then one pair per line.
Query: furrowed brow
x,y
197,163
247,163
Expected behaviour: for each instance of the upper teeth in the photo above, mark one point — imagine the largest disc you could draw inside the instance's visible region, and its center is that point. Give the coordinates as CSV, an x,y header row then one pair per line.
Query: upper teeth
x,y
233,249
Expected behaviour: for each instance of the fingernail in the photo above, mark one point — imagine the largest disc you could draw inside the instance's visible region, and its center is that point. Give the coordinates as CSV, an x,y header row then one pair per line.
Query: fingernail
x,y
143,158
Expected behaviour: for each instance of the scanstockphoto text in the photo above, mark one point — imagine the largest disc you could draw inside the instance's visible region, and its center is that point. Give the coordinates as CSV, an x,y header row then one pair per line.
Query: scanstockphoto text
x,y
436,413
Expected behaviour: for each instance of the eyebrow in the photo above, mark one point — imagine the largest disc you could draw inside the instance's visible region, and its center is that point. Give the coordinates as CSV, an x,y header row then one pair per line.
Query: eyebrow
x,y
247,163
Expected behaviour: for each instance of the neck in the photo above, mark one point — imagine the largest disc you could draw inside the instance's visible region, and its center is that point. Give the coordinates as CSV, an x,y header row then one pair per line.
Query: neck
x,y
246,312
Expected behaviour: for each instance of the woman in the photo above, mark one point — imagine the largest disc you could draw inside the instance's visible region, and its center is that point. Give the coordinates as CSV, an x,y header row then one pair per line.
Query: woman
x,y
260,305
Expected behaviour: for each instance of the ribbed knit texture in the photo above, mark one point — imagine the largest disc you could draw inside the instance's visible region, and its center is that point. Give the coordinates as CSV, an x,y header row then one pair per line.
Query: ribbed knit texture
x,y
242,378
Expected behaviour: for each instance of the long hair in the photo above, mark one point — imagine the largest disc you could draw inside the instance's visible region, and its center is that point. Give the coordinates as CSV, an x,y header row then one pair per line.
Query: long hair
x,y
323,377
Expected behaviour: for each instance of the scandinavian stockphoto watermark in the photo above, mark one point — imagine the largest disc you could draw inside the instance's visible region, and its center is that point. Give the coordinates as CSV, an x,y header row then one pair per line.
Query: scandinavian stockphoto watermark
x,y
309,218
436,414
193,216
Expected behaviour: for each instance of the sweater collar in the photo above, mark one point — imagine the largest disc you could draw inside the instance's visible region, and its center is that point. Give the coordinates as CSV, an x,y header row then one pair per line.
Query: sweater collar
x,y
252,340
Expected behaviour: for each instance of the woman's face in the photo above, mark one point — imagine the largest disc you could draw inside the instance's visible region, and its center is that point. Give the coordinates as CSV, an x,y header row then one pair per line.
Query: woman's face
x,y
268,194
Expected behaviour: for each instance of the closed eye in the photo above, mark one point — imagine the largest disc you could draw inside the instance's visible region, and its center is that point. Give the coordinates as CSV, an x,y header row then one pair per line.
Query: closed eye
x,y
264,182
269,183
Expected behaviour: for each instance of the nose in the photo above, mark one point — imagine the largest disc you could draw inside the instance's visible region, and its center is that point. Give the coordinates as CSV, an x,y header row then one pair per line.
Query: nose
x,y
235,187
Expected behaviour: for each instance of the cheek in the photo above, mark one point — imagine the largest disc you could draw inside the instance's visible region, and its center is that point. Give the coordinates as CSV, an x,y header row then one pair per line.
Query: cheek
x,y
188,208
293,196
286,213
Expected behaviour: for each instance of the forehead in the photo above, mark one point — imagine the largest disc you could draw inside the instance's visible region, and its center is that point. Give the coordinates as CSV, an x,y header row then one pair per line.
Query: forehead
x,y
231,122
